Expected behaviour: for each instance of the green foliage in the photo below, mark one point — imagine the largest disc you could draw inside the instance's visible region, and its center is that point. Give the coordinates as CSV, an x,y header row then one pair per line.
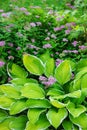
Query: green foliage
x,y
27,103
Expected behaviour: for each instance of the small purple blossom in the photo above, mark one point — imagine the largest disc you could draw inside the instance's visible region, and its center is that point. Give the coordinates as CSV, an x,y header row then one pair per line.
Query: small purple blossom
x,y
4,15
2,43
37,16
2,63
32,24
10,57
47,46
38,23
82,47
47,38
74,51
1,10
58,19
74,43
19,34
62,26
18,48
57,29
23,9
33,40
65,40
53,36
42,78
58,61
10,44
67,31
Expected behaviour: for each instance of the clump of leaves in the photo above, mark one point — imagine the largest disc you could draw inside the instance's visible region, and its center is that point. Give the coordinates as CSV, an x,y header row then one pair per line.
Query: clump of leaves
x,y
26,103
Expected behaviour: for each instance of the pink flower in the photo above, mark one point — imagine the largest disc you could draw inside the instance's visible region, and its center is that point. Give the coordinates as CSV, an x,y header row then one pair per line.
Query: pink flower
x,y
18,48
82,47
23,9
53,36
38,23
58,61
2,43
2,63
67,31
74,43
47,46
33,40
4,15
65,40
32,24
42,78
57,29
1,10
10,44
10,57
47,38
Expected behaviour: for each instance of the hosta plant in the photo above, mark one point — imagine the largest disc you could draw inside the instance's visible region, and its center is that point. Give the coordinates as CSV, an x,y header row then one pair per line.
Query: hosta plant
x,y
48,98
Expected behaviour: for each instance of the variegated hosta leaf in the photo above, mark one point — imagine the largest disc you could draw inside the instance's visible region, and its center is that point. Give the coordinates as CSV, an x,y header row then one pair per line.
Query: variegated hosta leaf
x,y
38,103
34,113
33,90
84,82
10,91
75,94
3,115
22,81
80,121
49,67
55,92
4,125
33,64
6,102
57,103
81,64
75,111
44,57
67,125
81,73
63,72
17,72
56,116
41,124
18,107
19,123
76,85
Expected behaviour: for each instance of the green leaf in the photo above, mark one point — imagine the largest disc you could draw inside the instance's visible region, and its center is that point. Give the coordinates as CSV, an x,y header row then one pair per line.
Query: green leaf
x,y
3,115
56,116
4,125
63,72
75,111
81,73
44,57
33,114
22,81
33,90
49,67
6,102
18,107
84,82
10,91
54,92
80,121
41,124
38,103
17,72
33,64
67,125
57,103
82,63
77,85
19,123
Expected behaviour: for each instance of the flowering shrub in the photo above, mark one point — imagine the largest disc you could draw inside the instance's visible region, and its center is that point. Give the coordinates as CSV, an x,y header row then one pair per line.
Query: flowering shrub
x,y
55,99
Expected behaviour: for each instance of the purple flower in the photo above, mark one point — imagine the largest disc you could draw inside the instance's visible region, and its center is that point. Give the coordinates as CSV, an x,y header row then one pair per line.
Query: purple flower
x,y
67,31
32,24
38,23
47,46
33,40
18,48
51,80
27,13
53,36
10,44
1,10
2,63
2,43
47,38
75,51
37,16
57,29
66,51
10,57
19,34
23,9
42,78
58,61
74,43
58,19
82,47
4,15
62,26
65,40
